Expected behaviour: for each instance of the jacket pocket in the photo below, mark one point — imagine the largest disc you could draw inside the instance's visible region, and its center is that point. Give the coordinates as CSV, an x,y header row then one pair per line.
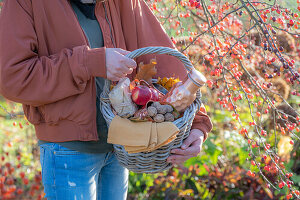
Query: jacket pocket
x,y
63,151
32,114
80,109
50,113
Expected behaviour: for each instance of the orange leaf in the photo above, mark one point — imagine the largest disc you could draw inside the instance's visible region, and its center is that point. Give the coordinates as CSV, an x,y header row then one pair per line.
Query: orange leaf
x,y
146,72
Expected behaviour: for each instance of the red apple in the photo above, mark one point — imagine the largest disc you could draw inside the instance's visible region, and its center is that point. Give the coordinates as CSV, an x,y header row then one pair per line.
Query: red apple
x,y
141,95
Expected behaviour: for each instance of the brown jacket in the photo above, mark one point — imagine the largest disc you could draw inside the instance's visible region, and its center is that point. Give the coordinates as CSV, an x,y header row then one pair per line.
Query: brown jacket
x,y
47,65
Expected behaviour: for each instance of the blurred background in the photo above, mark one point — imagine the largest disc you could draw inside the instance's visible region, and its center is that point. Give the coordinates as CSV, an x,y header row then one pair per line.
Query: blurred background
x,y
221,171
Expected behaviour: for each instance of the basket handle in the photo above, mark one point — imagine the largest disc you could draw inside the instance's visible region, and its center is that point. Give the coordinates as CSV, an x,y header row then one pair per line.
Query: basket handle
x,y
151,50
162,50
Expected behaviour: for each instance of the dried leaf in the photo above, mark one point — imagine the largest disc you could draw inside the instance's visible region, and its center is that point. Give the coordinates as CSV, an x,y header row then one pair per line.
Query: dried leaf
x,y
147,71
141,116
168,83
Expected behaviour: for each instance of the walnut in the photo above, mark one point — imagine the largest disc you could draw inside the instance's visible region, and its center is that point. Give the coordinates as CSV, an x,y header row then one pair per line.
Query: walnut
x,y
152,111
156,104
169,108
169,117
159,118
162,109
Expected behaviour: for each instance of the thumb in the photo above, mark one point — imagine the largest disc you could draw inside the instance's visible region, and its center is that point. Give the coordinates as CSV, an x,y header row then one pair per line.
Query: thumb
x,y
188,141
122,51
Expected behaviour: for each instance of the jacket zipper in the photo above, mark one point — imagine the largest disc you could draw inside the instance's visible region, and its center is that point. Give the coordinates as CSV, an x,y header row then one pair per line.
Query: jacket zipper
x,y
109,24
87,43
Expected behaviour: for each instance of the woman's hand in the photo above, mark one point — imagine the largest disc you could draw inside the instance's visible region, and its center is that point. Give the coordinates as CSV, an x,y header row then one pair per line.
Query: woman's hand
x,y
191,147
117,64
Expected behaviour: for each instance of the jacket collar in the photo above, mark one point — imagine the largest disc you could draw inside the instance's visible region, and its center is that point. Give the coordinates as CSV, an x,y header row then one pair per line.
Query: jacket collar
x,y
88,9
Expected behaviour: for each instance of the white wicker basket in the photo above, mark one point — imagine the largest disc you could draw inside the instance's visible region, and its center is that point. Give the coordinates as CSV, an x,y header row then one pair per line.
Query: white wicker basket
x,y
155,161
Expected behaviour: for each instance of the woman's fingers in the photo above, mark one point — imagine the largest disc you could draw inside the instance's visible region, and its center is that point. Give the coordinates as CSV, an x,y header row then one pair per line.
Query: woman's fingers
x,y
193,150
117,65
178,159
128,62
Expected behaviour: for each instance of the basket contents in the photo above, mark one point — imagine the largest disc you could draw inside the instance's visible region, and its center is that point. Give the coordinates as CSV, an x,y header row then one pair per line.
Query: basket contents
x,y
147,71
167,83
183,95
120,98
144,141
142,136
161,112
144,114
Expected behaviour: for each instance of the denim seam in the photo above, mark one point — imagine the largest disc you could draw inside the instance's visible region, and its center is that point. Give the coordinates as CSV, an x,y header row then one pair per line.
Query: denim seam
x,y
59,152
107,156
42,164
49,146
53,171
99,185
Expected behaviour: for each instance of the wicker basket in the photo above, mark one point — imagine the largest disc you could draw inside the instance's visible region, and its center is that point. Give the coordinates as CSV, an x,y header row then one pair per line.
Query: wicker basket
x,y
155,161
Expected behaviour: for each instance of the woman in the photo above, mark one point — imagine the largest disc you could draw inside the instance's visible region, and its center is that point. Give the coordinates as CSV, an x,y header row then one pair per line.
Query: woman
x,y
54,58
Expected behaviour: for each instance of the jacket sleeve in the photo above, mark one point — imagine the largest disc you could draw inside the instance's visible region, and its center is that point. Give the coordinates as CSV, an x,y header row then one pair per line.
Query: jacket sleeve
x,y
202,122
150,32
28,78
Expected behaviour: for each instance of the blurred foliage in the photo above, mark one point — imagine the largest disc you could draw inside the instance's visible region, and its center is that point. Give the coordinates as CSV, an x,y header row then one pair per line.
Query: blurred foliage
x,y
220,172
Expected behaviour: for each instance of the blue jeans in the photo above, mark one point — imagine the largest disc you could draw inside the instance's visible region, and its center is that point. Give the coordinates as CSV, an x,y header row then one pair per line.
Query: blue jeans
x,y
72,175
